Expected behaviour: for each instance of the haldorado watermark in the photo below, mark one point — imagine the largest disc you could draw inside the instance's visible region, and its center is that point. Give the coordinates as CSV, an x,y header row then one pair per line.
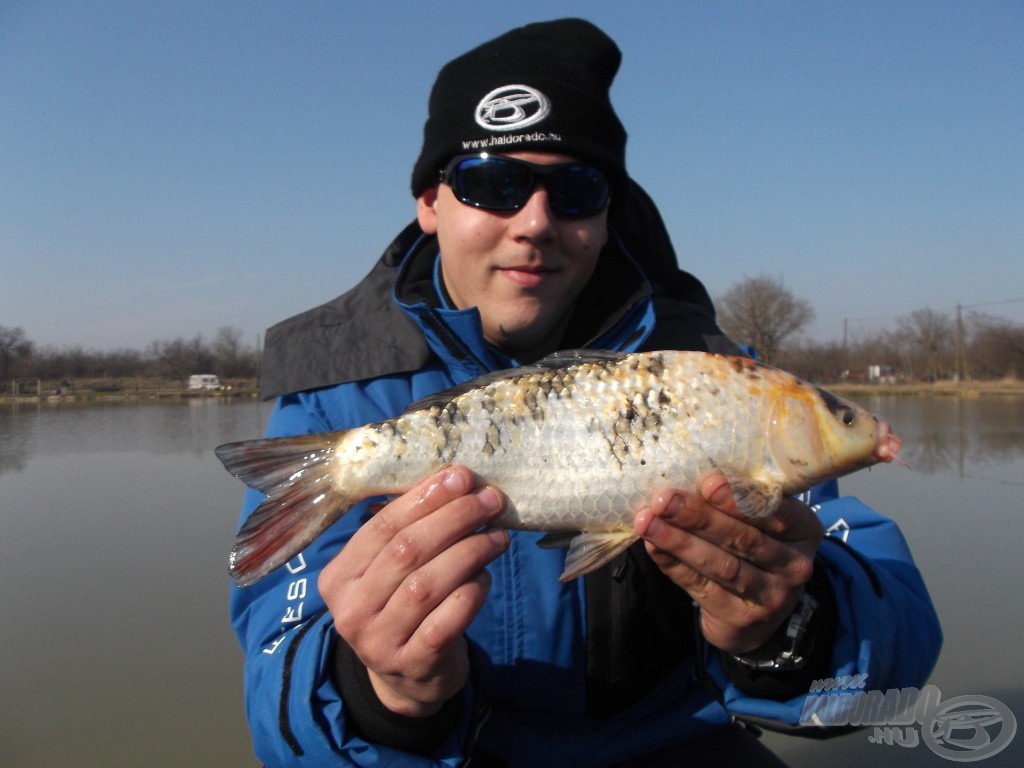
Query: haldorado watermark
x,y
962,729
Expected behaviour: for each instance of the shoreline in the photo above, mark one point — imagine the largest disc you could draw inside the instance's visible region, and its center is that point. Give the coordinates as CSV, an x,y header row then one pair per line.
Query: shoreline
x,y
931,389
129,390
155,392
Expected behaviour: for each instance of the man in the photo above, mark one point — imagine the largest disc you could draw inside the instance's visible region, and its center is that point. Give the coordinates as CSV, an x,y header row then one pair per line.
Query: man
x,y
423,636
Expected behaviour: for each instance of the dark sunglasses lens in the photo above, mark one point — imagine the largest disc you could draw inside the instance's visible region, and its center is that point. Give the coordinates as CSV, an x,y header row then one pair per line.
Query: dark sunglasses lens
x,y
493,183
501,184
577,190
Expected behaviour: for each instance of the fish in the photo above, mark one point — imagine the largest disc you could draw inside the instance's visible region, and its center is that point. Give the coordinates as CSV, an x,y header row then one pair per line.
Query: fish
x,y
578,443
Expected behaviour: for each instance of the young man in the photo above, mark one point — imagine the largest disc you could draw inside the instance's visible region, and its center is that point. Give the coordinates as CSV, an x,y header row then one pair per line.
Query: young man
x,y
422,636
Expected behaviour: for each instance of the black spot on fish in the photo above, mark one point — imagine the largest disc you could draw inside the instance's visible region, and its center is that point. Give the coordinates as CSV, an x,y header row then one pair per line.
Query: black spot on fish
x,y
493,440
530,400
655,365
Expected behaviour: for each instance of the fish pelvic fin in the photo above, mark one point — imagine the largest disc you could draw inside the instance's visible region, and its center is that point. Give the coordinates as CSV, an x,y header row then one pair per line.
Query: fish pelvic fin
x,y
301,501
589,551
754,497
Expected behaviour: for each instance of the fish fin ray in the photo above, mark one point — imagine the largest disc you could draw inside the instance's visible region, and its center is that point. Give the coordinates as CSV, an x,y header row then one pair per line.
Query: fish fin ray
x,y
589,551
300,504
754,498
566,357
267,463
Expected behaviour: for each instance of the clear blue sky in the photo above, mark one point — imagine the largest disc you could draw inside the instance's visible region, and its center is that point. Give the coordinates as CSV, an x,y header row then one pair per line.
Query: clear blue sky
x,y
168,168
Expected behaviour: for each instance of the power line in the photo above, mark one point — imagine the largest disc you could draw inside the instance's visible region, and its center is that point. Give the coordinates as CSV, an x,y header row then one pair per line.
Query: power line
x,y
991,303
844,324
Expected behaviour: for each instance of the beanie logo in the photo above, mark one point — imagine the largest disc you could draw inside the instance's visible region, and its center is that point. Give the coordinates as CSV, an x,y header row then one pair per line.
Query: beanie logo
x,y
512,107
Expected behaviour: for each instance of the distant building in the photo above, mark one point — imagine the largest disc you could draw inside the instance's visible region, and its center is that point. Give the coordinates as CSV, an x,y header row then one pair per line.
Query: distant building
x,y
205,381
881,374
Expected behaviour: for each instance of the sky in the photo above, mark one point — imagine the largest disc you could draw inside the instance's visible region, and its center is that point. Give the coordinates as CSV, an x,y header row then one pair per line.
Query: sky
x,y
170,168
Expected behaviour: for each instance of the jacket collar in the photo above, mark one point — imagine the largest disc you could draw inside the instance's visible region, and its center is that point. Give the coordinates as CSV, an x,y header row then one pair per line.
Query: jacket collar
x,y
393,323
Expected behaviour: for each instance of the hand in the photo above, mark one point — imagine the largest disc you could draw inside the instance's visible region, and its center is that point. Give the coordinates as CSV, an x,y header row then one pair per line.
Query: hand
x,y
747,575
409,582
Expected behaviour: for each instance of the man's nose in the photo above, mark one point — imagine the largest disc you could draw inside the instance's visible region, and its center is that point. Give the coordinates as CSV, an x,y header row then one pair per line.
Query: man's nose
x,y
536,220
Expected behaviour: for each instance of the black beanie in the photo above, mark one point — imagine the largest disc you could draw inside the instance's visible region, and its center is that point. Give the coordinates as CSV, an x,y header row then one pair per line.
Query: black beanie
x,y
542,87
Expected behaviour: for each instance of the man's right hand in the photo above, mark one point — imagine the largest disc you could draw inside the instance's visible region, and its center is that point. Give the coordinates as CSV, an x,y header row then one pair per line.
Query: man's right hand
x,y
409,582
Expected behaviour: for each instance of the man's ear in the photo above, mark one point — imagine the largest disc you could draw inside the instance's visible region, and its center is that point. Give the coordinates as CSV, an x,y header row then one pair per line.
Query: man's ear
x,y
426,210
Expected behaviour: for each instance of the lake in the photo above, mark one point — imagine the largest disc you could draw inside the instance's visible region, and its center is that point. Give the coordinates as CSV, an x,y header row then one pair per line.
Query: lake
x,y
116,520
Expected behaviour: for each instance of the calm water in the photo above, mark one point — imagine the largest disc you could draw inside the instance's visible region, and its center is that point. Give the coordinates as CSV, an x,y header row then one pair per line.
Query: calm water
x,y
115,522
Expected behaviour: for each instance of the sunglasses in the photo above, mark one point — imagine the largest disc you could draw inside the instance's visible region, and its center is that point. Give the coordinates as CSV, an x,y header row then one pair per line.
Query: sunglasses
x,y
499,183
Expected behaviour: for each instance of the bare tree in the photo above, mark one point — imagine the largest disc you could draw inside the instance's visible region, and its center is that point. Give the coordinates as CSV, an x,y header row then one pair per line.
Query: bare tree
x,y
233,357
179,358
932,335
997,348
14,347
761,312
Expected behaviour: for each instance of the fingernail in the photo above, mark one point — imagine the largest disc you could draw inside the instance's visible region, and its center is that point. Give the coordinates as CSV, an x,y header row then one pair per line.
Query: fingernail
x,y
489,498
675,506
720,495
655,528
455,481
499,536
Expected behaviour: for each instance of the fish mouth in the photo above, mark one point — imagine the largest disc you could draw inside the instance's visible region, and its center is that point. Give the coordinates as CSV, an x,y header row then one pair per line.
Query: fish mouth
x,y
887,447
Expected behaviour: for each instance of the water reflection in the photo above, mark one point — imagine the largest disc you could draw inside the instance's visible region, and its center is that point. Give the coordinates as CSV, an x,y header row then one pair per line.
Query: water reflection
x,y
192,426
116,520
962,435
115,523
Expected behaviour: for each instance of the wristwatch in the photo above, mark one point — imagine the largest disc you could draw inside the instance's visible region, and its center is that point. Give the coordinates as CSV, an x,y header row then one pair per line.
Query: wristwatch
x,y
784,651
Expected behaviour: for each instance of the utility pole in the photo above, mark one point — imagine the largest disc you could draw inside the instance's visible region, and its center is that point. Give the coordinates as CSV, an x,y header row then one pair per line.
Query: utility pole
x,y
846,349
959,343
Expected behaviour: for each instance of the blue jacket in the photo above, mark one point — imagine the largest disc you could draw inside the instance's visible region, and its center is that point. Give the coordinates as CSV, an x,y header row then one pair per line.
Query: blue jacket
x,y
529,700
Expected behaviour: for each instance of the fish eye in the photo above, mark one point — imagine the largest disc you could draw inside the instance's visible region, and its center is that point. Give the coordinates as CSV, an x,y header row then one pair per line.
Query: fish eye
x,y
848,416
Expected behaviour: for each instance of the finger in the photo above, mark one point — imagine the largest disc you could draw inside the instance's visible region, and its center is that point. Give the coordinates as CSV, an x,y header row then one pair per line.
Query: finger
x,y
423,499
442,580
425,538
453,615
697,564
433,664
677,525
361,578
729,614
416,503
792,521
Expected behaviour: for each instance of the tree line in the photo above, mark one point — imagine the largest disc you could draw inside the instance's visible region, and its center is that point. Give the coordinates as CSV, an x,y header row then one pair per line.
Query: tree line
x,y
925,345
226,355
759,312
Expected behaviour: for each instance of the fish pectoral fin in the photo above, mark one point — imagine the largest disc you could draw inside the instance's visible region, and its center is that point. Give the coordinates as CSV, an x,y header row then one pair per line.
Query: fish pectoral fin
x,y
754,497
589,551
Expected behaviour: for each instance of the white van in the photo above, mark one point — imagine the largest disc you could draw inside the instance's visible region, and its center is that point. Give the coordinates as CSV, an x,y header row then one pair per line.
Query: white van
x,y
204,381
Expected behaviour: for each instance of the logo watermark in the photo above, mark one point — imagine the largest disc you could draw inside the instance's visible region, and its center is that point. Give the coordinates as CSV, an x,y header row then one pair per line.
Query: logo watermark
x,y
963,729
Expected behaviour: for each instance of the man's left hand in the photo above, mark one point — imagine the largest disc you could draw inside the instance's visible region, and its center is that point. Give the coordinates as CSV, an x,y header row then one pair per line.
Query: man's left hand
x,y
746,574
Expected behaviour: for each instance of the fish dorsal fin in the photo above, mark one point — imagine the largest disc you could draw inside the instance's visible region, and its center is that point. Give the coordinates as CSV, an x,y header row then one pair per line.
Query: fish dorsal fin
x,y
553,362
566,357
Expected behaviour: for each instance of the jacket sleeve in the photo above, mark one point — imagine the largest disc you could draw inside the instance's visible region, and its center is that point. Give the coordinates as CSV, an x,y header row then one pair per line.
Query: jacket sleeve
x,y
887,634
295,712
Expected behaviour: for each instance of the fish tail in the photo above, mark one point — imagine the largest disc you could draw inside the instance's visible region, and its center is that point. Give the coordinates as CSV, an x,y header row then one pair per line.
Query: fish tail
x,y
301,501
